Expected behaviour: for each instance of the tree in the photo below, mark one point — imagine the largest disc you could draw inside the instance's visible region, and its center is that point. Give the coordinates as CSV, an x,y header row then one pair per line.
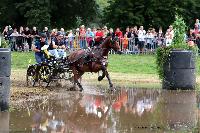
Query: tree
x,y
36,12
150,13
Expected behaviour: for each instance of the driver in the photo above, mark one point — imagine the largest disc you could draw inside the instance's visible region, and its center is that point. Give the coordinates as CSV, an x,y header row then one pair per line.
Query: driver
x,y
57,46
39,55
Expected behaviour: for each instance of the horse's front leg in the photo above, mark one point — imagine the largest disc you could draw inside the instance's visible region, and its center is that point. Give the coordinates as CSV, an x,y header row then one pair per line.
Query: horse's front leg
x,y
104,69
108,77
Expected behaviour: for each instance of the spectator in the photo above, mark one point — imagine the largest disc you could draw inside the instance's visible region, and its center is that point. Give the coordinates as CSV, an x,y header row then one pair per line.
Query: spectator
x,y
160,37
134,33
196,29
125,43
111,33
197,24
94,30
128,33
89,37
98,37
154,35
191,35
105,32
171,31
20,39
168,37
70,39
34,34
118,33
62,30
46,31
27,34
53,34
82,37
14,37
198,43
76,42
149,40
5,32
141,38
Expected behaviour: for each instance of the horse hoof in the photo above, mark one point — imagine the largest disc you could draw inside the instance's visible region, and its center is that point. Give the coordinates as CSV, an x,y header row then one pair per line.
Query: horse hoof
x,y
112,89
100,78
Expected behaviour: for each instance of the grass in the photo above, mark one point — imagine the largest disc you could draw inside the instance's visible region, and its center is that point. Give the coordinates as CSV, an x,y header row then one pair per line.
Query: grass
x,y
130,64
20,60
133,64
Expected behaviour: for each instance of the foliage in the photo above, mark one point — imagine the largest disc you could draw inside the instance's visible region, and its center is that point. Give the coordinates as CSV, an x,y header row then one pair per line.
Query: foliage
x,y
78,21
40,13
4,43
163,53
155,13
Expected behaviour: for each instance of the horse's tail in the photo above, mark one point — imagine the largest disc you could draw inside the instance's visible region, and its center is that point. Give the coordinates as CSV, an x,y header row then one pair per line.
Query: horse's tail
x,y
101,76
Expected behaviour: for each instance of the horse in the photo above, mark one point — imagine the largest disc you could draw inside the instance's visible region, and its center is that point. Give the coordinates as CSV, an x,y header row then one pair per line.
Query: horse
x,y
93,60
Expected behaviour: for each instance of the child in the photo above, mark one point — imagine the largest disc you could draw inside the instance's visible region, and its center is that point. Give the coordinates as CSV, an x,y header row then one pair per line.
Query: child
x,y
125,43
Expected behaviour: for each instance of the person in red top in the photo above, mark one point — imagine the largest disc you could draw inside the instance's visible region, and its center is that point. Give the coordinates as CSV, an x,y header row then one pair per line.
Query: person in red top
x,y
98,37
118,33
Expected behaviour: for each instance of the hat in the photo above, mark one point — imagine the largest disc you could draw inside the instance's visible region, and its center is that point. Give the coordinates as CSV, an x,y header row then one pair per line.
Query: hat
x,y
43,35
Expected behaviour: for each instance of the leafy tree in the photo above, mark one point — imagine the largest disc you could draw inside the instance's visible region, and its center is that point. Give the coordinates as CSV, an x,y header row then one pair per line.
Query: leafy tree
x,y
149,13
36,12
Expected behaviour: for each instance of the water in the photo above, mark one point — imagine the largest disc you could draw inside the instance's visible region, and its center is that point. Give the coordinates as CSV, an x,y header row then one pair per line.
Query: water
x,y
127,110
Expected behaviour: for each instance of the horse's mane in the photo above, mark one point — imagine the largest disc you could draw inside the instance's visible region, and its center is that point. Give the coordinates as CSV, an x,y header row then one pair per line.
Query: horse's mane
x,y
105,42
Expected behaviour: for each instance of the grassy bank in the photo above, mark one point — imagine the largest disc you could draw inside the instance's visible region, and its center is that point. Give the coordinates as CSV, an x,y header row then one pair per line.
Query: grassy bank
x,y
130,64
133,64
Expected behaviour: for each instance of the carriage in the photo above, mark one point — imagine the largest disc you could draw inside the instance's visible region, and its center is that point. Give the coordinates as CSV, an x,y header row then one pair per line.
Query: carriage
x,y
73,66
51,70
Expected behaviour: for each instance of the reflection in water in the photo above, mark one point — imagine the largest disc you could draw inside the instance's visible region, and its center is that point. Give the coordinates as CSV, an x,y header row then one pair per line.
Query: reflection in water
x,y
131,110
4,122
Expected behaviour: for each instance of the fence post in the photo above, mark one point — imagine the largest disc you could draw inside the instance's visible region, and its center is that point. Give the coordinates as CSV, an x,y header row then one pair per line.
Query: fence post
x,y
5,72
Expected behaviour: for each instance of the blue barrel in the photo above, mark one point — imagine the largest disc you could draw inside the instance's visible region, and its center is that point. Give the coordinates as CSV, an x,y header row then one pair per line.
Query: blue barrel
x,y
179,70
5,72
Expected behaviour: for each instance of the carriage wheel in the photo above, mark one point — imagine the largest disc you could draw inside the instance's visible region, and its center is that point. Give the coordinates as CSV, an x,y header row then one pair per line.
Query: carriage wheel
x,y
31,76
44,75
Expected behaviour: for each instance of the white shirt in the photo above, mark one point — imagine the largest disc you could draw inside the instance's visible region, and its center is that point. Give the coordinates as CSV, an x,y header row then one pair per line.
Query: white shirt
x,y
141,35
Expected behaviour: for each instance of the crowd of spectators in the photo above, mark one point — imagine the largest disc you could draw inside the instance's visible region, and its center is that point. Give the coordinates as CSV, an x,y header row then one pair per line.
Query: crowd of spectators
x,y
133,39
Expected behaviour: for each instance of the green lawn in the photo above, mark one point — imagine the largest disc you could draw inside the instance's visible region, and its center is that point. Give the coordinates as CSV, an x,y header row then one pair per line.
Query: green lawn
x,y
133,64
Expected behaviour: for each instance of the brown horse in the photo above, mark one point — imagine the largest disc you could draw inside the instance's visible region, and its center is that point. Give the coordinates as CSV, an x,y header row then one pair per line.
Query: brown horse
x,y
94,60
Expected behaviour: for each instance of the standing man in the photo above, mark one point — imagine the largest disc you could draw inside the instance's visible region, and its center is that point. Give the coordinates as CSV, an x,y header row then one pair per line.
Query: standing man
x,y
141,39
27,33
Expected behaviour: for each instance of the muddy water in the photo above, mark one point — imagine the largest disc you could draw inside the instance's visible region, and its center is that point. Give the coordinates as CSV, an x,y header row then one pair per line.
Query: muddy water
x,y
127,110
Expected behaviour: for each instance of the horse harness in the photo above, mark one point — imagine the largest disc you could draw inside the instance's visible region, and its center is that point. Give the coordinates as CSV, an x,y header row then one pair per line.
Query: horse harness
x,y
92,55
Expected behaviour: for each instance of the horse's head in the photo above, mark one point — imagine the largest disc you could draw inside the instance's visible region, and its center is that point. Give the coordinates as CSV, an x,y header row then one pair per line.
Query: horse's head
x,y
114,43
